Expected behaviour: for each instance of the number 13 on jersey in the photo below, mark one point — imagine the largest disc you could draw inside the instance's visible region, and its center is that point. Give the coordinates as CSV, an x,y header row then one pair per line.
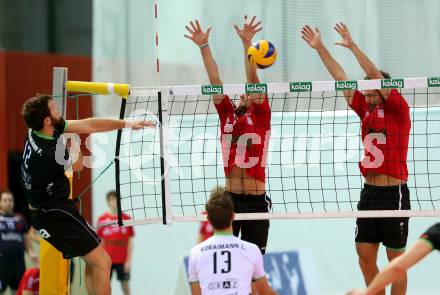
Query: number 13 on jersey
x,y
225,261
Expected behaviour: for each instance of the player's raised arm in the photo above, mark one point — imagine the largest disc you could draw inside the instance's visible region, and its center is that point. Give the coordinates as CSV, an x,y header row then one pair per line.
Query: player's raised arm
x,y
262,287
367,65
396,268
246,34
201,39
93,125
313,38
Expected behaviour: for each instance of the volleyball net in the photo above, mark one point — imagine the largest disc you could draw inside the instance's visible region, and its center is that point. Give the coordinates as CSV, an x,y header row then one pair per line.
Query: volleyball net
x,y
166,174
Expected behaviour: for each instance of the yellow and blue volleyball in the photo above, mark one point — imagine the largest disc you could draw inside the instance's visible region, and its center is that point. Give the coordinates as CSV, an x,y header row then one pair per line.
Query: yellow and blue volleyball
x,y
262,53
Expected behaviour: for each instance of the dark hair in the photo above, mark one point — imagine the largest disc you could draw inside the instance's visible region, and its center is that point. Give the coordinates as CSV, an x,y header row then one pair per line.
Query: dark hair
x,y
6,191
112,193
35,110
220,209
384,74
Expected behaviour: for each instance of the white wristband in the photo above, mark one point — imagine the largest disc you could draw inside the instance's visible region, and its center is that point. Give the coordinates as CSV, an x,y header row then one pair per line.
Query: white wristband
x,y
204,45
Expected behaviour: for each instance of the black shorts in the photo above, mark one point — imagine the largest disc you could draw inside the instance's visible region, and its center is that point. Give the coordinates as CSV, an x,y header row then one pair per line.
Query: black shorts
x,y
252,231
392,232
121,275
65,229
433,236
10,275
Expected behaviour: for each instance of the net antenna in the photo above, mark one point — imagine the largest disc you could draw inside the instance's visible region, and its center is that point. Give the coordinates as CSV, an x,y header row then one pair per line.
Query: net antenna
x,y
183,163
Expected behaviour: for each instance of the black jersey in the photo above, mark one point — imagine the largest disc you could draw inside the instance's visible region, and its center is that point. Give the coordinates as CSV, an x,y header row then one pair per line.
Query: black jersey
x,y
433,236
12,230
43,168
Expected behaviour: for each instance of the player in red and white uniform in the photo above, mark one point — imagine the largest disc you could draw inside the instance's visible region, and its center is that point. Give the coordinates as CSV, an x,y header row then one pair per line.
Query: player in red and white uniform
x,y
30,282
224,264
205,231
245,133
118,242
386,125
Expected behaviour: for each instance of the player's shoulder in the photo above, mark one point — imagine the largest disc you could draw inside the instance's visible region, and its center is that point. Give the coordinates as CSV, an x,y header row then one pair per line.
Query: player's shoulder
x,y
126,216
19,217
249,246
103,216
198,248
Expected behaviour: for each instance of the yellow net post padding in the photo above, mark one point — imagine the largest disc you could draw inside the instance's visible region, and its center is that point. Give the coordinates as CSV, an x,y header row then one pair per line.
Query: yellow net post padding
x,y
98,88
54,269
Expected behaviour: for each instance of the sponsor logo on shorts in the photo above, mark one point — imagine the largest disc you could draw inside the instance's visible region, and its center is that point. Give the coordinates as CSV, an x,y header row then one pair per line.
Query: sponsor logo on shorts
x,y
356,231
44,233
300,86
434,82
226,284
346,85
392,83
256,88
212,89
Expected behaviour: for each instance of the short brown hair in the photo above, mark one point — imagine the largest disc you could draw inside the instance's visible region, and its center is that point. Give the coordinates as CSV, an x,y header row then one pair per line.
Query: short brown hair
x,y
220,209
112,194
385,75
35,110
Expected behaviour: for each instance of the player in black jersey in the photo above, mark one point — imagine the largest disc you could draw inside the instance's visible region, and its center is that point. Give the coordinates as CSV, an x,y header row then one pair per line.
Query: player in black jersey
x,y
14,240
428,242
45,159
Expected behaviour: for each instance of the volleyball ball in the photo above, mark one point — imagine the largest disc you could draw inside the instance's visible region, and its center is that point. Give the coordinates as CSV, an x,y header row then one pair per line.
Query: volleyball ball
x,y
262,53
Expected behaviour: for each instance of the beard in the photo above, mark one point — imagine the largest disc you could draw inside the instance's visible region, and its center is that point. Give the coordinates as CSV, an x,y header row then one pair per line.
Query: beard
x,y
55,121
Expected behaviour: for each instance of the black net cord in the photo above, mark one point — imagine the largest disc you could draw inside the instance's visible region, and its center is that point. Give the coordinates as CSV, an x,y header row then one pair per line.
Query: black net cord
x,y
117,170
162,160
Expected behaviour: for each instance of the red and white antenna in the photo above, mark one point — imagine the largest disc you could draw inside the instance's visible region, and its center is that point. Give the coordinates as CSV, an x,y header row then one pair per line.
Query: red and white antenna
x,y
156,25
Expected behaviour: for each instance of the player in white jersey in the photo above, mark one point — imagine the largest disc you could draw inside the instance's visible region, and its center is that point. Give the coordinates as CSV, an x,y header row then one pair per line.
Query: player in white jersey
x,y
224,264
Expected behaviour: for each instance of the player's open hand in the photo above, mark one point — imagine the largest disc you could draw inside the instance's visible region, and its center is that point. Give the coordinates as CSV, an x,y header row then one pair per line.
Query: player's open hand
x,y
356,292
311,36
346,40
136,125
249,29
197,35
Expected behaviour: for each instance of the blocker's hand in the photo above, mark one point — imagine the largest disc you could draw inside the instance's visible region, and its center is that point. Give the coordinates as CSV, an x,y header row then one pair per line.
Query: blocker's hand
x,y
311,36
342,30
197,35
249,30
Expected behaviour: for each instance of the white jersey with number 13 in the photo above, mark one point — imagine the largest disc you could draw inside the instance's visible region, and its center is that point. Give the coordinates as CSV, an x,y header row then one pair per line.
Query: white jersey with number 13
x,y
224,264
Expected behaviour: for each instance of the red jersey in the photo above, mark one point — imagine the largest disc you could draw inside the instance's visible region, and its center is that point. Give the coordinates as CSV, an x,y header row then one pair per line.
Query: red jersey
x,y
245,137
30,281
206,230
115,238
385,135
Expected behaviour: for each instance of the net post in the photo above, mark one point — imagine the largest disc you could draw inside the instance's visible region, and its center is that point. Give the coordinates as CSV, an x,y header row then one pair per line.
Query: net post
x,y
117,169
167,215
54,269
59,92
